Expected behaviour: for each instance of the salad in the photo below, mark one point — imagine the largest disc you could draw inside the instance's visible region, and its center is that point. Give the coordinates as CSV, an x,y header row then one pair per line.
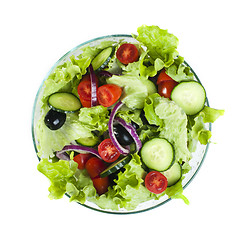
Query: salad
x,y
119,122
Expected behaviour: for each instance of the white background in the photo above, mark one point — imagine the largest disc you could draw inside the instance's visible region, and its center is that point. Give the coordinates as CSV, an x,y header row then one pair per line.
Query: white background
x,y
35,34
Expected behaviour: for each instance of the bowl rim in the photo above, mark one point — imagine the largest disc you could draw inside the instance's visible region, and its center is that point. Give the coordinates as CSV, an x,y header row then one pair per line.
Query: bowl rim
x,y
34,110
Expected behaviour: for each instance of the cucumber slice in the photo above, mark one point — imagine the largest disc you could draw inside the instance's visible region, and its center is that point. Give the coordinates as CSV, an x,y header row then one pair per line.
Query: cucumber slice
x,y
190,96
116,166
64,102
158,154
173,174
103,58
88,141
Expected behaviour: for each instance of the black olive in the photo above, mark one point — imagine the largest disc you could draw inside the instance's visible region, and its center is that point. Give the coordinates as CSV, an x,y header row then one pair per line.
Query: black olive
x,y
54,120
122,135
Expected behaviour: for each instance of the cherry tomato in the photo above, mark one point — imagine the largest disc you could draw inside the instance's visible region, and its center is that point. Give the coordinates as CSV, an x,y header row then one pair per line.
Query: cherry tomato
x,y
165,88
127,53
108,151
101,184
81,159
163,77
108,94
84,90
156,182
95,166
85,103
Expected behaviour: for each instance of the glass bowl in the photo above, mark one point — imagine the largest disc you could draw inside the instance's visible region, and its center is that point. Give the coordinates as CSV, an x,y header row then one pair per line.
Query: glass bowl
x,y
197,157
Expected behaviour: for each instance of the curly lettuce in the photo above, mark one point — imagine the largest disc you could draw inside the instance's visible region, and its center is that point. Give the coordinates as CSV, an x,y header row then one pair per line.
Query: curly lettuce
x,y
160,43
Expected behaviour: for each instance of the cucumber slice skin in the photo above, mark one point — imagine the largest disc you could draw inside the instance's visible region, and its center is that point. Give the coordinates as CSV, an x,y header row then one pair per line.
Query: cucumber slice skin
x,y
64,102
158,154
173,174
102,59
88,142
116,166
190,96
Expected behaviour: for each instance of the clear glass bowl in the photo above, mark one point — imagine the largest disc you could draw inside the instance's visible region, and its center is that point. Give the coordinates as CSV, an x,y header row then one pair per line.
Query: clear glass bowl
x,y
195,162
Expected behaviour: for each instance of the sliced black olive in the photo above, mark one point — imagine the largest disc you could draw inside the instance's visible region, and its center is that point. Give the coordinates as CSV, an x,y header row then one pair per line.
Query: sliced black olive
x,y
122,135
54,120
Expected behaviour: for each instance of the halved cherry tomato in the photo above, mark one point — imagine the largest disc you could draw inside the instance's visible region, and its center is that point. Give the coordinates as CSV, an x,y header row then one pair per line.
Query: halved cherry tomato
x,y
95,166
108,94
163,77
85,103
101,184
108,151
127,53
84,90
165,88
81,159
156,182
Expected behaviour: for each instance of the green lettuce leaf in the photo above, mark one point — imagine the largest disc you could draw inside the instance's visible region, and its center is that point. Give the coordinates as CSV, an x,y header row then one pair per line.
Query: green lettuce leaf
x,y
174,127
148,67
94,118
178,71
135,87
159,43
210,115
128,191
59,174
176,192
66,178
65,77
82,188
149,109
199,131
130,115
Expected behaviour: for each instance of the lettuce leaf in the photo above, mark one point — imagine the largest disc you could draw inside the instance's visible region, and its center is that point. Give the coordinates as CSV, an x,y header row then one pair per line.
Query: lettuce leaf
x,y
66,178
174,127
159,43
149,109
176,192
148,67
59,174
66,77
135,87
199,131
130,115
178,71
128,191
94,118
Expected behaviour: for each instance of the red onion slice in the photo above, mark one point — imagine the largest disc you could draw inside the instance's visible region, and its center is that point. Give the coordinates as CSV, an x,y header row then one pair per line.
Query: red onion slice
x,y
93,86
121,149
131,130
76,148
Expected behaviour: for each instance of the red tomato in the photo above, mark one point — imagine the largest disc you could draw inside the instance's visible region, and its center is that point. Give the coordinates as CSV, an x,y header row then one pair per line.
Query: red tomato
x,y
85,103
95,166
156,182
84,90
101,184
108,94
163,77
165,88
127,53
108,151
81,159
